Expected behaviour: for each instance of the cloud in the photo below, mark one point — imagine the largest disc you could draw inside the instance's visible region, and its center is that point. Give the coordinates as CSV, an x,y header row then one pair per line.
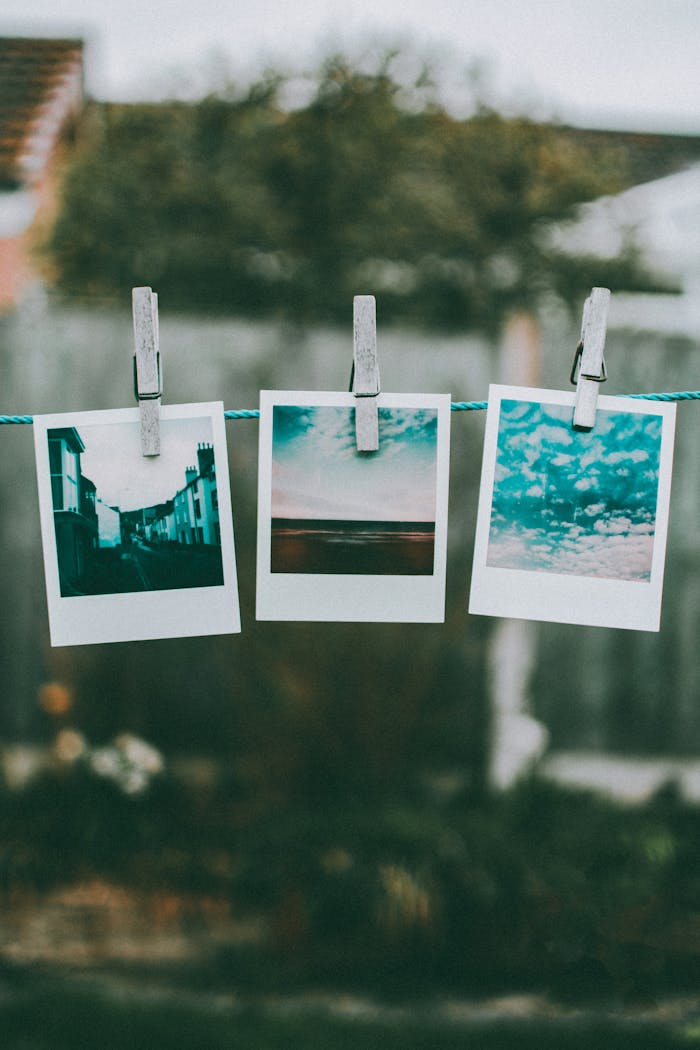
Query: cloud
x,y
590,457
623,555
501,472
608,473
557,435
317,472
516,410
637,455
612,526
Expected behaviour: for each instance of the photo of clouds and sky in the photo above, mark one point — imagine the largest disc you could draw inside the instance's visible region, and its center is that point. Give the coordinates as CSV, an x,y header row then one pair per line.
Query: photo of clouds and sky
x,y
572,502
317,472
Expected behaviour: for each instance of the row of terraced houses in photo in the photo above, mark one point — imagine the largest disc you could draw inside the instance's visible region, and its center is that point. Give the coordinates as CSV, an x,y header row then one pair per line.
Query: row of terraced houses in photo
x,y
84,522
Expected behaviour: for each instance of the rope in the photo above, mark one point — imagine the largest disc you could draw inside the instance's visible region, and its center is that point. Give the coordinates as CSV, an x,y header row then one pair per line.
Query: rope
x,y
456,406
468,406
679,395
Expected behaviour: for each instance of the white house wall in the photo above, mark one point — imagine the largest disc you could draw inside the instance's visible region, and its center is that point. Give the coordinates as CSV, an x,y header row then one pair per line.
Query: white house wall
x,y
108,525
662,218
70,472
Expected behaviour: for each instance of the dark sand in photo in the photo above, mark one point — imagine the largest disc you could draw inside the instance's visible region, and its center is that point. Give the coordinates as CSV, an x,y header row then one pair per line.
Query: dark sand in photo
x,y
356,547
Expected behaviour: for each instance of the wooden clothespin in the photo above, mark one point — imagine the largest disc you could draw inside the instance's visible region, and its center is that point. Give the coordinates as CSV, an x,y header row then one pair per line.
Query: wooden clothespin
x,y
588,370
364,382
148,384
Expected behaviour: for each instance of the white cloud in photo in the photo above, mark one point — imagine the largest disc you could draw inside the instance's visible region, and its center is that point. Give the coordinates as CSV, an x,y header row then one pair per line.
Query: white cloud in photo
x,y
318,473
623,554
574,502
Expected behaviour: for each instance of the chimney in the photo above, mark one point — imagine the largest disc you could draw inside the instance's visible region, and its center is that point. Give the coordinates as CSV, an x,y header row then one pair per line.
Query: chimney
x,y
205,458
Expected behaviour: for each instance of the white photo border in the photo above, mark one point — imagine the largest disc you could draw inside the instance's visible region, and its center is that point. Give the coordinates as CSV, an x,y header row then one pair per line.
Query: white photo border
x,y
138,616
555,597
342,597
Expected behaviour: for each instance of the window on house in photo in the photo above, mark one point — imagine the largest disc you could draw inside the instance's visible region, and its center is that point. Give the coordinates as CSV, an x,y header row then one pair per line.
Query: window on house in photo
x,y
56,474
65,470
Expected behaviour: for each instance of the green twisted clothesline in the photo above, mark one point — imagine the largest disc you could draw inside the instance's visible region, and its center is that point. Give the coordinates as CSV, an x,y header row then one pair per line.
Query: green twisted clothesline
x,y
477,406
456,406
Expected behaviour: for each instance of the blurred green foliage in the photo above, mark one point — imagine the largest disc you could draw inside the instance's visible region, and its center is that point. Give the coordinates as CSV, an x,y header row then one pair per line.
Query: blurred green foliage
x,y
351,808
237,202
539,888
60,1016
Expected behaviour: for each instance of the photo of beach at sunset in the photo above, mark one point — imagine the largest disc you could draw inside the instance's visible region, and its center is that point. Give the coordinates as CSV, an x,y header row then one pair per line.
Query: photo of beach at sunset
x,y
334,511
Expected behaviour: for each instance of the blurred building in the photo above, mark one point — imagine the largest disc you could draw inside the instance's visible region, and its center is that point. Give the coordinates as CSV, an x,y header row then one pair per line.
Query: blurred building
x,y
572,676
41,96
662,218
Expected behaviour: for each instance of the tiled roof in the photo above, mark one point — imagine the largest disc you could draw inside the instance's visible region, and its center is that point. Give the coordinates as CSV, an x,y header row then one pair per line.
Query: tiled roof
x,y
40,88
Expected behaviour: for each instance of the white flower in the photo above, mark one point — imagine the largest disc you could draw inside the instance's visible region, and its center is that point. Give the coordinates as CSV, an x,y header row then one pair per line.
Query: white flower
x,y
129,762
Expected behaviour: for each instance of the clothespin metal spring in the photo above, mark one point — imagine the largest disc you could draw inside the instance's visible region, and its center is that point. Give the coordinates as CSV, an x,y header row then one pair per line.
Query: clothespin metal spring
x,y
148,376
588,370
364,378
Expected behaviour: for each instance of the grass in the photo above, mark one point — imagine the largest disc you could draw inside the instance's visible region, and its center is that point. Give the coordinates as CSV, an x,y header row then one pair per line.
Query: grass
x,y
541,889
58,1016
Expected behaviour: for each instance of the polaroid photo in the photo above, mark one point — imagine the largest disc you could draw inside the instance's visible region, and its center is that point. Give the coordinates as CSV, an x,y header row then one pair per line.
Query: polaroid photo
x,y
572,524
345,535
136,547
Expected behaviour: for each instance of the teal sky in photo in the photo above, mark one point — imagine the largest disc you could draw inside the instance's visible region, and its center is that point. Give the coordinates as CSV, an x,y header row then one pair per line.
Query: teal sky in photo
x,y
573,502
318,474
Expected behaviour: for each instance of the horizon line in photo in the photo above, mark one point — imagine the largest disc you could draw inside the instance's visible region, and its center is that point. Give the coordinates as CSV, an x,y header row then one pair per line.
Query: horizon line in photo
x,y
355,547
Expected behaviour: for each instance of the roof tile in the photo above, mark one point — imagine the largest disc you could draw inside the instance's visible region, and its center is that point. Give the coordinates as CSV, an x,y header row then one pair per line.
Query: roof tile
x,y
40,87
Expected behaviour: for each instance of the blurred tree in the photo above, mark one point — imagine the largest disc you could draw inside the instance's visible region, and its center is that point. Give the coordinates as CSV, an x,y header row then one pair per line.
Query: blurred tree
x,y
238,203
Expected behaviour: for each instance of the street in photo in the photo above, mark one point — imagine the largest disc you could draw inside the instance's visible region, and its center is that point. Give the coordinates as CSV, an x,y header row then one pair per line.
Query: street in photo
x,y
116,523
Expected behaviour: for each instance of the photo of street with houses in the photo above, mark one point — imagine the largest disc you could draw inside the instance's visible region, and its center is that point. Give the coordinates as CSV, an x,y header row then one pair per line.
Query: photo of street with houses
x,y
125,524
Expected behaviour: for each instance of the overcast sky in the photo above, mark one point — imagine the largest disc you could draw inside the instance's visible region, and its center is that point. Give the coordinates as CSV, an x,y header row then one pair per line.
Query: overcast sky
x,y
622,64
124,478
317,473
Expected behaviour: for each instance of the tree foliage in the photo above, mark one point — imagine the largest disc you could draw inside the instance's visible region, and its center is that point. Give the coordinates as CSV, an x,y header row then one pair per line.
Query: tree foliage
x,y
242,204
